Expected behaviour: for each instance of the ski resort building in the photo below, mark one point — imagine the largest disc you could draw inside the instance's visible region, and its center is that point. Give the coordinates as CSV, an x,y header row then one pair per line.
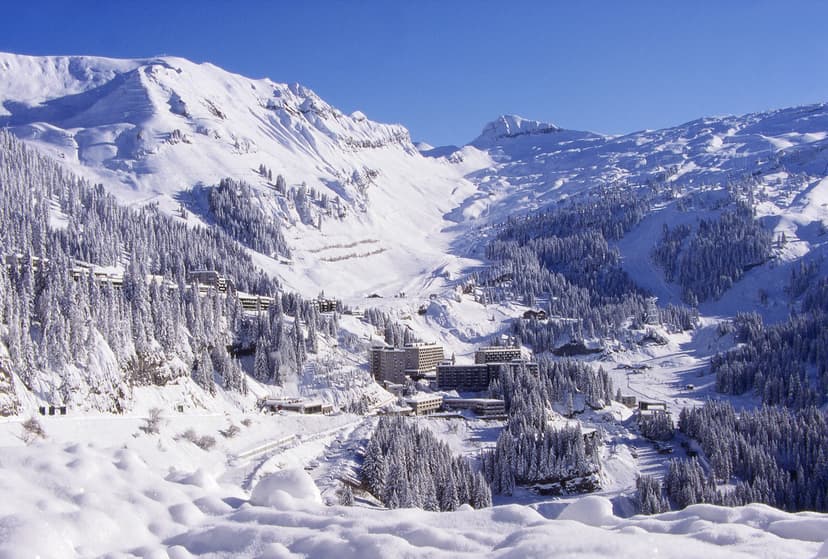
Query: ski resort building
x,y
210,278
254,303
521,365
324,305
52,410
476,377
652,408
484,407
388,364
469,377
497,354
394,365
652,315
628,401
297,405
422,358
425,403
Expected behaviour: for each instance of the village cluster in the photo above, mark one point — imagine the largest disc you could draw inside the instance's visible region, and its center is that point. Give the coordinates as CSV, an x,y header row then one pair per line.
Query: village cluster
x,y
444,378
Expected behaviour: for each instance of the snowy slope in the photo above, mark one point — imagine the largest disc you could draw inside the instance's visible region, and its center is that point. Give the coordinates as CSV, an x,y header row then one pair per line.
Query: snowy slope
x,y
150,130
780,156
415,218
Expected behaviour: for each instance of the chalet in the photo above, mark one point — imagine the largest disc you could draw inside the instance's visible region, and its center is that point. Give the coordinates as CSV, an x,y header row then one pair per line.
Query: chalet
x,y
628,401
324,305
296,405
536,315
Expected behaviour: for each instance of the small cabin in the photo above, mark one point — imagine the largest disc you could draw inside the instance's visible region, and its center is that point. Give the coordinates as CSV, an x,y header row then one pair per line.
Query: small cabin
x,y
324,305
628,401
52,410
650,409
652,406
536,315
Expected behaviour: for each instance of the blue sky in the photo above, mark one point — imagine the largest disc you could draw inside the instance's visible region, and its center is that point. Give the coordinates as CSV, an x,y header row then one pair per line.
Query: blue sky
x,y
445,68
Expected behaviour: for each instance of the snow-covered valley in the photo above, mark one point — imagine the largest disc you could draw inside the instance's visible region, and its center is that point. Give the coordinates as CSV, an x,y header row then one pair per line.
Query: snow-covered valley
x,y
644,252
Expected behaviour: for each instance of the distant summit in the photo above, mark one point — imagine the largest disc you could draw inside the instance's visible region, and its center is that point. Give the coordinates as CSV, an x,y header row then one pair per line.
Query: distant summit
x,y
510,126
514,126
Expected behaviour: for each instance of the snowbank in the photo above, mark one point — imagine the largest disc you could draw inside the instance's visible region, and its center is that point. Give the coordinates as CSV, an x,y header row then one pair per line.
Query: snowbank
x,y
54,492
282,488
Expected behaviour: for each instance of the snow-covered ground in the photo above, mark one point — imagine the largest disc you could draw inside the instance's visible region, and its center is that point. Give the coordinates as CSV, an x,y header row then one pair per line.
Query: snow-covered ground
x,y
99,486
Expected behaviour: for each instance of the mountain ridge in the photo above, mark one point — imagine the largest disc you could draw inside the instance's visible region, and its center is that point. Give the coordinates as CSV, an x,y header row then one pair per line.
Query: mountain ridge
x,y
158,129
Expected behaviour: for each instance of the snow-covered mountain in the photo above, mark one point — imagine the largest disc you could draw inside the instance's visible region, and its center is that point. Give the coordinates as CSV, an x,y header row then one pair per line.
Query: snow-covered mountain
x,y
540,163
778,158
152,129
354,208
119,117
381,216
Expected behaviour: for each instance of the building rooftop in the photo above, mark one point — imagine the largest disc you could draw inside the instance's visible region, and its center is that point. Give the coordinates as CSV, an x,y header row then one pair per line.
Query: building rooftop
x,y
422,397
451,399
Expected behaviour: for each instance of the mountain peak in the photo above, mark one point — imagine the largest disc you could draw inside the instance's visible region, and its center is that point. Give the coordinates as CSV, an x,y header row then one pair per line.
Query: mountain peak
x,y
129,122
510,126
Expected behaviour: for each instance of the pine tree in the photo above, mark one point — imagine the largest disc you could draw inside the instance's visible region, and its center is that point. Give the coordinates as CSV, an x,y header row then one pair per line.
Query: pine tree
x,y
203,371
346,495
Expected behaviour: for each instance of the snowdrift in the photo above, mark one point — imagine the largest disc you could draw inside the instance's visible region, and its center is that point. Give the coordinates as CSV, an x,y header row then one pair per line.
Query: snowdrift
x,y
85,500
